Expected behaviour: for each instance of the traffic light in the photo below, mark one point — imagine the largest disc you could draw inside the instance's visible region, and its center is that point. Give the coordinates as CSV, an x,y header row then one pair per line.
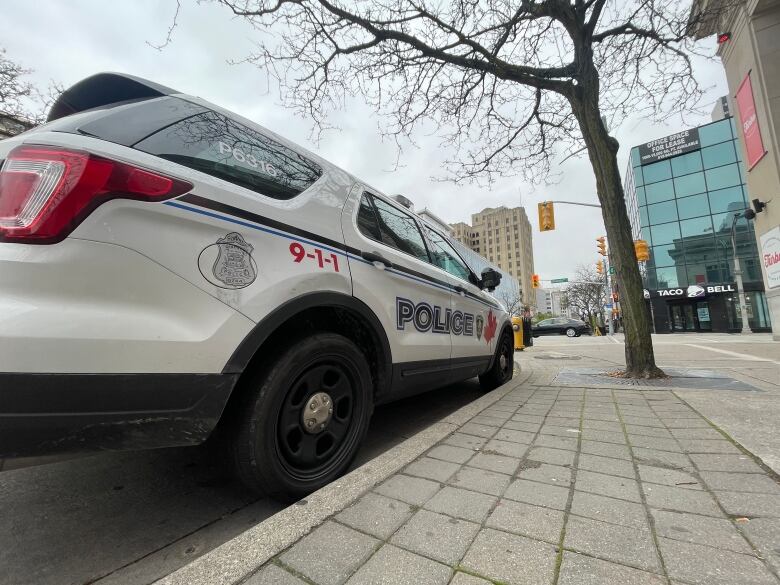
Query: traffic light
x,y
546,216
602,245
641,250
535,281
600,267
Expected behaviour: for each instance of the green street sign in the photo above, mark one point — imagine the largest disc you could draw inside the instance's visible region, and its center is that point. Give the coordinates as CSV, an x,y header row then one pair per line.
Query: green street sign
x,y
611,270
559,280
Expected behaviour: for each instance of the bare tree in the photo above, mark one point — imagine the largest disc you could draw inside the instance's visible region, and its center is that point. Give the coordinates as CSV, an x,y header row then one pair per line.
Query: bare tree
x,y
21,99
14,90
512,299
586,294
512,85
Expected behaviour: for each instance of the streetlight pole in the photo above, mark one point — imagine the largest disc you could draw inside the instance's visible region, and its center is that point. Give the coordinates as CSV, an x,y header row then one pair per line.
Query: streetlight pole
x,y
738,276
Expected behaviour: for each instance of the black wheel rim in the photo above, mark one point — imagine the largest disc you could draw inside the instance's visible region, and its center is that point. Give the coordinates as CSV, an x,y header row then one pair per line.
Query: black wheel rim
x,y
308,455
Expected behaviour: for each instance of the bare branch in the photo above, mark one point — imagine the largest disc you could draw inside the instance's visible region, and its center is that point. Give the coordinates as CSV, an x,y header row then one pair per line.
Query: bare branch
x,y
171,28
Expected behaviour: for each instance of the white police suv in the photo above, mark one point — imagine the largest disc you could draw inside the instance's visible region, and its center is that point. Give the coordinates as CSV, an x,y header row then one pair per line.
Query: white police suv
x,y
169,269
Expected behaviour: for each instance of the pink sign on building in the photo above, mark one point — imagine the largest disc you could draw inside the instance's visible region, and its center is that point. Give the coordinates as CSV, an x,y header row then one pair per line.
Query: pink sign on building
x,y
754,145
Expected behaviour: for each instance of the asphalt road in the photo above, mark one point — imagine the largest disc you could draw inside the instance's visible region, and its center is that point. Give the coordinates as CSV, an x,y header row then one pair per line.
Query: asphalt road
x,y
131,518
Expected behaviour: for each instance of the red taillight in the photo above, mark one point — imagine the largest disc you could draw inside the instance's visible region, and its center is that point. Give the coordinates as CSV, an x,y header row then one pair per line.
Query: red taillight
x,y
46,191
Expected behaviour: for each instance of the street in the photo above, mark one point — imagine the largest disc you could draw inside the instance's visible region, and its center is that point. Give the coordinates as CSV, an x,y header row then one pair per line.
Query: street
x,y
133,517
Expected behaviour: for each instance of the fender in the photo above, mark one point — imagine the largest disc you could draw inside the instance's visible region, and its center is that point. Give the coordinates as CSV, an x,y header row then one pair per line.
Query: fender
x,y
271,322
506,329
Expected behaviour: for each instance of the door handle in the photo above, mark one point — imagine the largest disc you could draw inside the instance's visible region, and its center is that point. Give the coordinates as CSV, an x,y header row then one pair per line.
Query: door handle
x,y
460,289
376,257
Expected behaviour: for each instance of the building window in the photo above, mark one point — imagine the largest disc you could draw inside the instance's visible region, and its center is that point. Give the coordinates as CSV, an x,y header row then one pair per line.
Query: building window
x,y
643,218
658,171
657,192
715,133
687,163
668,277
689,185
665,233
667,255
731,199
662,212
722,177
719,155
693,206
696,227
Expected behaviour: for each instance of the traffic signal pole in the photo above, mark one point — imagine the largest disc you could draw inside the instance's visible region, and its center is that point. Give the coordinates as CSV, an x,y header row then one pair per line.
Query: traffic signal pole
x,y
577,203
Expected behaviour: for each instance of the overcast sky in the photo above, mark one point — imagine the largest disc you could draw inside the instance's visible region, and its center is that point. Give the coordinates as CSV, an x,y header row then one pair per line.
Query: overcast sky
x,y
69,40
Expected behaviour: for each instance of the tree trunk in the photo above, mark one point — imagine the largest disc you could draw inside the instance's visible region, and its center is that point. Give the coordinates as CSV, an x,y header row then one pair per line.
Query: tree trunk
x,y
602,151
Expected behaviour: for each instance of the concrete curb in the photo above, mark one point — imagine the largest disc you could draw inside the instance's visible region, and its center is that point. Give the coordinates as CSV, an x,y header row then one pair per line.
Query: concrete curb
x,y
237,558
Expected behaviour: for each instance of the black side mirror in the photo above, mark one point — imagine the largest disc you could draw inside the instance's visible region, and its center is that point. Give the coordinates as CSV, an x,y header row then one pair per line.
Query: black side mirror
x,y
490,279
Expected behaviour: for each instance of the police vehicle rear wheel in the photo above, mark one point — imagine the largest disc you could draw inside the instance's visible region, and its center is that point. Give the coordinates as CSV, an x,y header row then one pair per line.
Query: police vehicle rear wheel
x,y
503,365
305,417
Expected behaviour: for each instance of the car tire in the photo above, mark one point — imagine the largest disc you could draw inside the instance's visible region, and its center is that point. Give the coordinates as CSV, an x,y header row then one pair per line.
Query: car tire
x,y
571,332
503,365
276,449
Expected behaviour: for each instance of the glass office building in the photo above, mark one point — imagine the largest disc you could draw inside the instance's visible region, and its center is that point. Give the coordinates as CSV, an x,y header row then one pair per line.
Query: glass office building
x,y
682,193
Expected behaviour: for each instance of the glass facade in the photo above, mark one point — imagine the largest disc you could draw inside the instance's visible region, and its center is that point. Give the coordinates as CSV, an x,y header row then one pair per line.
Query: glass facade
x,y
684,207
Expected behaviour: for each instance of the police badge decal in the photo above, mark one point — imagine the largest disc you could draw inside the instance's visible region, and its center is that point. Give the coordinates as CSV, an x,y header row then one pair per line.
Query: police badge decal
x,y
228,262
479,322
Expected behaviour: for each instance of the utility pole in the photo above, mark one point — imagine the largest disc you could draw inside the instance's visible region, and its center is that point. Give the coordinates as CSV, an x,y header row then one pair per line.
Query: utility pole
x,y
738,276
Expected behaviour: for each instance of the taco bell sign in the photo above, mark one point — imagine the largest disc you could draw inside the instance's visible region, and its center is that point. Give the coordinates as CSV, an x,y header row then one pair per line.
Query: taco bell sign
x,y
691,292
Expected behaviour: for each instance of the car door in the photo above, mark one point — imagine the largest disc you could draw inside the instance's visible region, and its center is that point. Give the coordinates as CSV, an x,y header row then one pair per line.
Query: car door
x,y
560,325
391,273
474,323
545,327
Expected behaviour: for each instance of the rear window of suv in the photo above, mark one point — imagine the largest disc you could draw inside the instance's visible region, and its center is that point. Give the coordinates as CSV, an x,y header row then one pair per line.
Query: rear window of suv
x,y
217,145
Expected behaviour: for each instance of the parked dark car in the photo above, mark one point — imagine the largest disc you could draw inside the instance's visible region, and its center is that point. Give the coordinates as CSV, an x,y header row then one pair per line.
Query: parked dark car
x,y
561,326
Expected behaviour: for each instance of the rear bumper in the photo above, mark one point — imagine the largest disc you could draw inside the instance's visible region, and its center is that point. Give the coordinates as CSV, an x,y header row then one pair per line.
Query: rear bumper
x,y
45,414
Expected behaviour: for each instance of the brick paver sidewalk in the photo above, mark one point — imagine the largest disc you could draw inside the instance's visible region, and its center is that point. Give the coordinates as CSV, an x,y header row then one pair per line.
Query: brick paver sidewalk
x,y
558,486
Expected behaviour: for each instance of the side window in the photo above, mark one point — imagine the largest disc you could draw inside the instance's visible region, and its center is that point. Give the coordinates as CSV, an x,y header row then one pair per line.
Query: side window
x,y
399,230
444,256
366,220
217,145
545,322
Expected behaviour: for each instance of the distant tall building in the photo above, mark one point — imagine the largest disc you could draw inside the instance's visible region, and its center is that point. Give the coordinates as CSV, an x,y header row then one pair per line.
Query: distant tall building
x,y
503,236
549,301
435,220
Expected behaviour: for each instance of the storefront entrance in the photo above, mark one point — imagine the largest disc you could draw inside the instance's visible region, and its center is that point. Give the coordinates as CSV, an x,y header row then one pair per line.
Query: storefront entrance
x,y
690,316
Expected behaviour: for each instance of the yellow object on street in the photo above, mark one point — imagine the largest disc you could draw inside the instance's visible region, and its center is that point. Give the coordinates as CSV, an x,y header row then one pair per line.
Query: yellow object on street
x,y
517,327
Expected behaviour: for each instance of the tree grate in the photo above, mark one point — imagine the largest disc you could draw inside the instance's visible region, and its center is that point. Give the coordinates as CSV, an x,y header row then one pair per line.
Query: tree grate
x,y
686,378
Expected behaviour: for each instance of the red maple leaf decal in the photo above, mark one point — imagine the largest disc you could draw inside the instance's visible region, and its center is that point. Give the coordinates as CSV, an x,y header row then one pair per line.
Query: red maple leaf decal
x,y
490,328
